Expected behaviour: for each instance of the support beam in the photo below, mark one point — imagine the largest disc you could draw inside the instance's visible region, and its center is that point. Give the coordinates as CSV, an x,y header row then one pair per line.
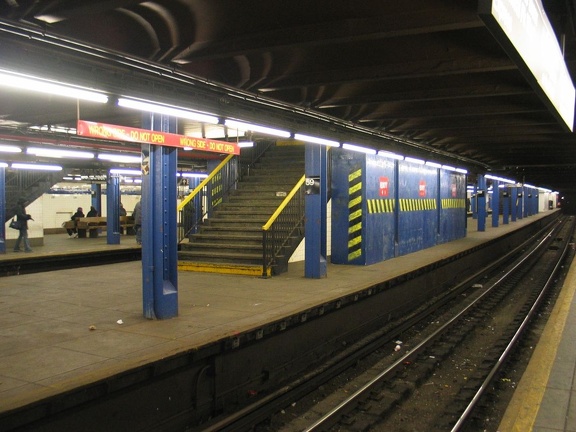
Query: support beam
x,y
315,200
113,209
159,237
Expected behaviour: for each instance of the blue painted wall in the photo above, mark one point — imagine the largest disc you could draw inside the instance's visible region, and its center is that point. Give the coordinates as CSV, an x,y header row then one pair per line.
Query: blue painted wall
x,y
381,205
418,210
348,207
382,208
452,206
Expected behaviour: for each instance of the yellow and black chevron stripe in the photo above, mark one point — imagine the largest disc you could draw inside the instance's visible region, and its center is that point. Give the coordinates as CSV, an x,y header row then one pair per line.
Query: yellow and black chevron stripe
x,y
453,203
354,214
216,190
407,205
380,205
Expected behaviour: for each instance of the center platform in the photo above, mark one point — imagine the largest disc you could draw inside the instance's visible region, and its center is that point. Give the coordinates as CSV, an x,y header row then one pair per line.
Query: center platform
x,y
76,340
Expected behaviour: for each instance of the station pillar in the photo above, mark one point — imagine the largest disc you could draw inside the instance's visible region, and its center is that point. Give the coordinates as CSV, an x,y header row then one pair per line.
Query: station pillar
x,y
495,203
519,202
505,206
113,209
96,196
3,210
316,170
513,203
481,203
159,217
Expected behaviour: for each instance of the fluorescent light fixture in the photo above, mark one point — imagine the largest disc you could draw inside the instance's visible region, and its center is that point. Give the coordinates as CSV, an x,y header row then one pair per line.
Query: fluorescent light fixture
x,y
70,131
43,86
10,149
244,144
122,171
3,165
168,110
461,170
120,158
59,153
194,175
358,148
317,140
256,128
433,164
36,167
502,179
390,155
414,160
448,168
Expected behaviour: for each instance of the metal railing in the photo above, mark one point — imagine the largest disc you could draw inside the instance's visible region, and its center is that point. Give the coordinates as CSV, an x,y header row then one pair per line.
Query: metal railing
x,y
206,197
29,185
283,231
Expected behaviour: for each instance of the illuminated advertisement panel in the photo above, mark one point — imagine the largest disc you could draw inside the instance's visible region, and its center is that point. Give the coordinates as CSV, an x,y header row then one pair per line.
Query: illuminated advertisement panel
x,y
523,29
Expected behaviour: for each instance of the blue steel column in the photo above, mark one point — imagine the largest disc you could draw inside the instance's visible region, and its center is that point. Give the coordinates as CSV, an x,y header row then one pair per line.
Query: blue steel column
x,y
159,237
396,208
113,209
323,204
505,205
315,262
3,210
495,203
513,203
474,203
481,203
96,196
520,203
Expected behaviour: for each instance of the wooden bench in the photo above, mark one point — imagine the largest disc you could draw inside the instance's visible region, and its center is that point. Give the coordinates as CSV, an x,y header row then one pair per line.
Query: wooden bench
x,y
93,225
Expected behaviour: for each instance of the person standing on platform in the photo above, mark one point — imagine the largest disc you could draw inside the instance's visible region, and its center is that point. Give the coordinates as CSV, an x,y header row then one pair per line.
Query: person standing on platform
x,y
137,215
122,211
22,218
93,212
73,232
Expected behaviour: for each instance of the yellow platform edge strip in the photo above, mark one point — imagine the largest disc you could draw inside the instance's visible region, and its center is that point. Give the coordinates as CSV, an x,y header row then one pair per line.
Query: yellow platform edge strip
x,y
222,269
523,409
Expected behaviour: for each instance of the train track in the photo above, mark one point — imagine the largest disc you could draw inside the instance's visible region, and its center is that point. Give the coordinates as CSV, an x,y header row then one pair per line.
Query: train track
x,y
438,362
441,381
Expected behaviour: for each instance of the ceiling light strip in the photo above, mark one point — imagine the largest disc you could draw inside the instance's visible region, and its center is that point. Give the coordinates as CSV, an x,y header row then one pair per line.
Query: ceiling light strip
x,y
42,86
167,110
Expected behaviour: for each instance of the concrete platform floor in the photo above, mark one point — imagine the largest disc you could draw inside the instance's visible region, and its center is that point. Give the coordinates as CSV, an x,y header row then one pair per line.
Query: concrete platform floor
x,y
62,329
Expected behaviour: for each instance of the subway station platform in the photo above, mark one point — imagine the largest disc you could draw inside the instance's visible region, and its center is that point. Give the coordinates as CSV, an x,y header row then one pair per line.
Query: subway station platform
x,y
65,329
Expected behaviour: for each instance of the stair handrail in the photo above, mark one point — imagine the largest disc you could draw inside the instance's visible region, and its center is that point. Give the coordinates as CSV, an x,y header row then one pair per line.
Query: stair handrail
x,y
270,251
187,201
203,183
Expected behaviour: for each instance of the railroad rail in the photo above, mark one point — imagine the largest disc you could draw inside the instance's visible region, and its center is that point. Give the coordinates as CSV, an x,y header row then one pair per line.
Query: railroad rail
x,y
390,387
378,398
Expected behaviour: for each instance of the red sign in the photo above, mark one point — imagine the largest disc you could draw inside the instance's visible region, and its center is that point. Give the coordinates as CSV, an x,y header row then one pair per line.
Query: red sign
x,y
384,186
124,133
422,188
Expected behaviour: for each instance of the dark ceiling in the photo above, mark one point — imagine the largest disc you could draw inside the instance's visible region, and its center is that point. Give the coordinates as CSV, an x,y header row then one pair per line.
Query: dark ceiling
x,y
428,72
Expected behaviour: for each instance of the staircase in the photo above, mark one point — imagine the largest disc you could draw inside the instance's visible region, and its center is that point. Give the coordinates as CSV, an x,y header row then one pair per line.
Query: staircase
x,y
231,240
29,185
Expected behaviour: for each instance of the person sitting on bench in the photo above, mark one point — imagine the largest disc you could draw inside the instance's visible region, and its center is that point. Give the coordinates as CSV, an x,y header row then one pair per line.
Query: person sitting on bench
x,y
73,232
